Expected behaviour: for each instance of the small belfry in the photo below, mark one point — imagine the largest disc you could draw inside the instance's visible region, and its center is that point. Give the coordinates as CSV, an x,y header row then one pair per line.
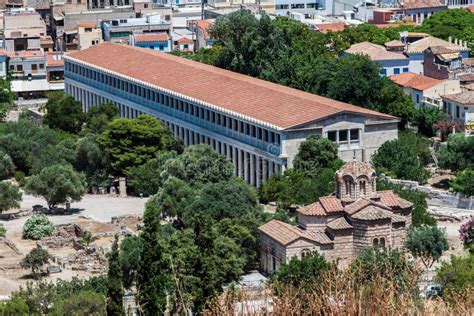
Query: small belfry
x,y
341,225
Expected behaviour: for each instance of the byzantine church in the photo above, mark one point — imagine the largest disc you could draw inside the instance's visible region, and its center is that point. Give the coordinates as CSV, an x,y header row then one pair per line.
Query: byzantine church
x,y
339,226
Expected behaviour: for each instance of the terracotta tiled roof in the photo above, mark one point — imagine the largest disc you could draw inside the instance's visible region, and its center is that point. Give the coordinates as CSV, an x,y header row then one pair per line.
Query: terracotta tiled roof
x,y
331,27
469,86
414,81
386,26
470,8
204,25
372,213
87,24
339,223
466,77
417,4
25,53
356,206
313,209
430,41
398,218
51,61
257,100
394,43
374,51
151,38
285,233
392,200
331,204
184,40
355,168
465,98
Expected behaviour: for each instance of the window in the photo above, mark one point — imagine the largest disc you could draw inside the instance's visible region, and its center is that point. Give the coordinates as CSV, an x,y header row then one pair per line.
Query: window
x,y
332,136
186,46
297,6
281,6
383,72
375,242
417,98
354,135
162,48
362,187
457,111
406,69
382,242
396,71
343,136
19,68
88,29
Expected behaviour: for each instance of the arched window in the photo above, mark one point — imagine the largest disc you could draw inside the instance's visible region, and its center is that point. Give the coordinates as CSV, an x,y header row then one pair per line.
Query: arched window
x,y
375,242
304,253
362,187
382,242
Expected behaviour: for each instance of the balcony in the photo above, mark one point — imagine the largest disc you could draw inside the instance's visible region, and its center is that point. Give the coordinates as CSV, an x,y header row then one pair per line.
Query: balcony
x,y
433,102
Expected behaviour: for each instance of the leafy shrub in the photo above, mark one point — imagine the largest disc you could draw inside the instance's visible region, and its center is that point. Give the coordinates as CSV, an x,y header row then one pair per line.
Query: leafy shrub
x,y
37,227
20,178
466,233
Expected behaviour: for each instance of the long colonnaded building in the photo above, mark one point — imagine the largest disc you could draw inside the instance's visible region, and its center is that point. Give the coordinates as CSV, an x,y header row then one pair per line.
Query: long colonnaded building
x,y
259,125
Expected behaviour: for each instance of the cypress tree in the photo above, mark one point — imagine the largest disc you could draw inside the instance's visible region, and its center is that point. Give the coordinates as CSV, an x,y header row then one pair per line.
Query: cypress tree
x,y
114,283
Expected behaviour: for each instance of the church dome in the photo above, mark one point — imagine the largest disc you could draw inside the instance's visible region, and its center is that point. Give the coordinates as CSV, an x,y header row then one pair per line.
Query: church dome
x,y
356,169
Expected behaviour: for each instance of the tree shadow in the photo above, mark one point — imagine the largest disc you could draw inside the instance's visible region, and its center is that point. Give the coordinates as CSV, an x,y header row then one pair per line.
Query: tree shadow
x,y
443,184
34,276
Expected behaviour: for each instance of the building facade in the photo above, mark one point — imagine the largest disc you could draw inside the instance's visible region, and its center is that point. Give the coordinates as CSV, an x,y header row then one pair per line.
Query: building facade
x,y
257,124
339,226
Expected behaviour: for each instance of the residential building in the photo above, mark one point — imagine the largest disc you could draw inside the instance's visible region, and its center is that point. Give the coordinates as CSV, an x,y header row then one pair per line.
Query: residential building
x,y
184,45
257,124
390,62
330,27
420,10
3,64
159,41
201,29
306,7
426,91
88,34
28,71
341,225
119,30
22,30
442,63
55,70
416,51
460,106
452,4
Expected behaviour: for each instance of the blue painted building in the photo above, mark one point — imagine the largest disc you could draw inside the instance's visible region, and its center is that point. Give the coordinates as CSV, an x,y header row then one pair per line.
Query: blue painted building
x,y
159,41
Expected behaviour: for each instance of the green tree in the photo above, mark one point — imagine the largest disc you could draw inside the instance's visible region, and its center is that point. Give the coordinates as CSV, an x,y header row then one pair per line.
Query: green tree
x,y
302,272
91,160
87,238
57,184
3,230
458,153
10,196
84,303
396,158
64,113
37,227
114,282
7,168
425,119
455,276
59,154
314,154
131,249
16,306
35,260
100,116
464,183
6,97
427,243
132,142
146,179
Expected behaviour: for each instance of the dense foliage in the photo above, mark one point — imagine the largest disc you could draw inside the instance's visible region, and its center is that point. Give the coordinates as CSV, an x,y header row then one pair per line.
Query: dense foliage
x,y
463,183
57,184
458,153
114,282
6,97
10,196
456,276
35,259
302,272
64,113
37,227
427,243
7,168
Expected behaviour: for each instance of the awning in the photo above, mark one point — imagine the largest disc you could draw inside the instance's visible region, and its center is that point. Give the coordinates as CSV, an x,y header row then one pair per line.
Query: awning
x,y
30,86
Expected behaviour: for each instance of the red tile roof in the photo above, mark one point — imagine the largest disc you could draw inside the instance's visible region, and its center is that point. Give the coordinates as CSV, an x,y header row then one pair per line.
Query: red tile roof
x,y
392,200
470,8
465,98
151,38
339,223
331,204
257,100
313,209
285,233
87,24
374,52
372,213
204,25
25,53
184,40
417,4
52,60
331,27
414,81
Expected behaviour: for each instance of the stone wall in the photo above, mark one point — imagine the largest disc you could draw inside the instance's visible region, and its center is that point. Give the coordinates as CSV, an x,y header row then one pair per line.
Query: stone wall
x,y
343,244
366,231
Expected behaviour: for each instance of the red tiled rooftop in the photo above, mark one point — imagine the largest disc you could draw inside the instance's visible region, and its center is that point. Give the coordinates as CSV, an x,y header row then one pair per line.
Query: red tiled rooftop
x,y
87,24
204,25
151,38
418,4
184,40
465,98
52,60
25,53
415,81
285,233
255,99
